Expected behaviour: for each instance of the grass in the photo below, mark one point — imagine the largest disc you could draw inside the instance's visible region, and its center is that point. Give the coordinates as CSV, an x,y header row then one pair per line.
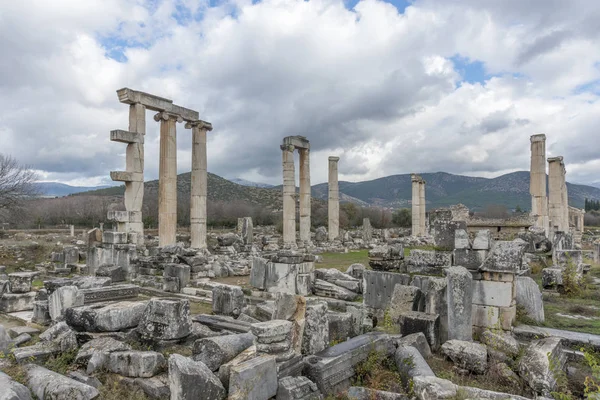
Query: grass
x,y
379,372
113,389
200,308
342,261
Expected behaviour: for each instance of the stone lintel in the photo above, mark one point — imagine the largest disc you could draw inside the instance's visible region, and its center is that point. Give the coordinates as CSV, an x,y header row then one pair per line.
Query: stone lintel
x,y
200,124
126,136
299,142
124,216
333,158
538,138
126,176
156,103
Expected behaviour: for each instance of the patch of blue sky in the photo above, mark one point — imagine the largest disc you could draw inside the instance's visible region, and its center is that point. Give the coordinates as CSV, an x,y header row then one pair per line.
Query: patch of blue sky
x,y
471,71
399,4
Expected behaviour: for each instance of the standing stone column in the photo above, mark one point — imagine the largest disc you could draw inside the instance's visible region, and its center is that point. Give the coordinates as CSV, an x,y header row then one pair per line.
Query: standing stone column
x,y
199,184
537,181
416,206
134,190
304,195
422,210
555,193
167,179
289,195
333,213
565,199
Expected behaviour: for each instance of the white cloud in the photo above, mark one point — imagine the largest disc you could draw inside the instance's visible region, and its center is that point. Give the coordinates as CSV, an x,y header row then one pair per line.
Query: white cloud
x,y
371,85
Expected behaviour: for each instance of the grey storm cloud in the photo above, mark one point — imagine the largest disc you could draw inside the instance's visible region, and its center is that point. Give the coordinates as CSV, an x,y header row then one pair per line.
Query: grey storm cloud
x,y
376,87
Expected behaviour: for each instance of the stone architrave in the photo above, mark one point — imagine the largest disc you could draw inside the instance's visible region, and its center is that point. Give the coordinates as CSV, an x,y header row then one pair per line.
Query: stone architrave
x,y
334,200
167,181
537,183
199,184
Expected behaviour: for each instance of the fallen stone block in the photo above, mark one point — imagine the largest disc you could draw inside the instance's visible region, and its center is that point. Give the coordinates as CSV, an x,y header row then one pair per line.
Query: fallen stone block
x,y
428,261
501,342
136,364
228,300
101,345
114,272
20,282
297,388
415,321
179,271
505,257
316,328
15,302
21,339
356,271
410,363
111,293
466,355
332,368
92,282
62,335
62,298
404,298
326,289
482,240
272,331
542,360
552,278
41,313
5,341
13,390
492,293
418,341
339,278
432,388
285,305
470,259
105,318
19,330
192,380
165,319
340,326
88,380
255,379
46,384
216,351
219,323
39,352
378,287
225,369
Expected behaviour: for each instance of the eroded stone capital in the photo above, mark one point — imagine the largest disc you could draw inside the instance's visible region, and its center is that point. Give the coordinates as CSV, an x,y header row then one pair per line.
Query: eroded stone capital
x,y
164,115
199,124
538,138
333,158
287,147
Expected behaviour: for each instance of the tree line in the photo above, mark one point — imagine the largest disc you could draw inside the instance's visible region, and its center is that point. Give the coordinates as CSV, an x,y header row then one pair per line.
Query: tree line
x,y
592,205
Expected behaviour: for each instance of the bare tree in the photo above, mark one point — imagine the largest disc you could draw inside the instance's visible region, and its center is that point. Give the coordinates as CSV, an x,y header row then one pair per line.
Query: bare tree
x,y
17,183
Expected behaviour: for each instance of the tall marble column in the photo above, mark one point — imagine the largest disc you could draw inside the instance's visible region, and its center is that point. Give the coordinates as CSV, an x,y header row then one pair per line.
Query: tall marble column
x,y
537,181
416,207
167,179
199,184
556,190
333,213
422,227
565,198
304,195
289,195
134,191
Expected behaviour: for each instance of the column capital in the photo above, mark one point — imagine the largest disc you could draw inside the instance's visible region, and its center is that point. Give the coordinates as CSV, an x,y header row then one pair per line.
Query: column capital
x,y
164,115
333,158
537,138
199,124
287,147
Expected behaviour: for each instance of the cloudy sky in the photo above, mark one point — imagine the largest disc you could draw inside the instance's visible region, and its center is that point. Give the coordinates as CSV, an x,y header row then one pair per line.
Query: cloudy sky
x,y
390,87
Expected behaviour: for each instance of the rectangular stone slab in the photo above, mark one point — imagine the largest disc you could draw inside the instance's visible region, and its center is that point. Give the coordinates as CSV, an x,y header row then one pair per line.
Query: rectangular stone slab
x,y
378,287
213,322
115,292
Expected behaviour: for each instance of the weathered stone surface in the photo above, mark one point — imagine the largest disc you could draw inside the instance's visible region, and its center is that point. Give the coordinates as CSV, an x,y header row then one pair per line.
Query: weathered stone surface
x,y
192,380
271,331
285,305
467,355
502,342
105,318
114,272
281,277
19,330
326,289
332,369
258,272
529,297
12,390
165,319
136,364
432,388
297,388
493,293
415,321
443,232
436,302
418,341
428,261
91,282
362,320
404,298
227,300
461,239
338,278
535,366
378,287
103,345
482,240
340,326
551,278
179,271
20,282
225,369
41,313
14,302
470,259
356,271
386,257
62,335
255,379
46,384
316,329
216,351
88,380
505,257
63,298
21,339
460,299
110,293
411,363
5,340
363,393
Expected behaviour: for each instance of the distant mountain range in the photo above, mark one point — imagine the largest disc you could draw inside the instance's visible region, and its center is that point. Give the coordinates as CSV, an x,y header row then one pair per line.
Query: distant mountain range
x,y
244,182
55,189
441,190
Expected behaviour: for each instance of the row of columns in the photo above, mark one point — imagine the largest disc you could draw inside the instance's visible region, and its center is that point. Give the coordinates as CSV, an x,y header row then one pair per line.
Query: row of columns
x,y
168,114
418,205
